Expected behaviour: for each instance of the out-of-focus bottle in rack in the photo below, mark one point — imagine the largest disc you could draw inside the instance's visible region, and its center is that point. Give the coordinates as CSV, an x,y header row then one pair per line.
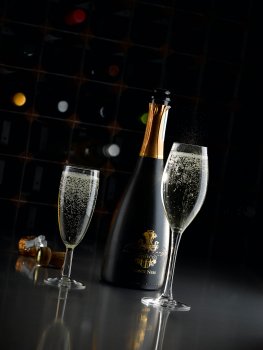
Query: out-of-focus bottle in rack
x,y
56,97
93,146
33,12
69,15
62,53
104,61
137,247
97,103
20,45
75,17
111,19
16,90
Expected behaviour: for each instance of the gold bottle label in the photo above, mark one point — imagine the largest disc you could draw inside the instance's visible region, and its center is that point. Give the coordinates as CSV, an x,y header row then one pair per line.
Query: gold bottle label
x,y
153,141
149,251
148,242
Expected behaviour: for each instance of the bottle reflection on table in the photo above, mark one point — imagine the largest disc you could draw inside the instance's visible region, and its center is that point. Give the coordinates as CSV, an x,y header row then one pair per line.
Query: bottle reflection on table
x,y
135,327
156,331
57,335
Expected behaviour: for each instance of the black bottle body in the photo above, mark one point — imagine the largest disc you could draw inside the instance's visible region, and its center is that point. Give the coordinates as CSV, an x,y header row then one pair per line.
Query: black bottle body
x,y
137,249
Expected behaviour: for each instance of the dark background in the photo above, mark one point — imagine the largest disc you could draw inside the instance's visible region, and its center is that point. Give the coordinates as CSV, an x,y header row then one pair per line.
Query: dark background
x,y
205,52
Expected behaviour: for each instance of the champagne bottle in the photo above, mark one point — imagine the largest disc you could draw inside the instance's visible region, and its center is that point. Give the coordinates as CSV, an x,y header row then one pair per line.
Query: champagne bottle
x,y
136,250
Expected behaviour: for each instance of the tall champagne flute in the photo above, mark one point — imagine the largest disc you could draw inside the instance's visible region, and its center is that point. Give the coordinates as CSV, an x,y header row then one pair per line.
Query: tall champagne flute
x,y
183,190
77,197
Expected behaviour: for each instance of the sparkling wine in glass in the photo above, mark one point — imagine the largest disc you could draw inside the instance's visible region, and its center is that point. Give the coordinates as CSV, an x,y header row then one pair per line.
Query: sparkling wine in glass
x,y
77,197
183,190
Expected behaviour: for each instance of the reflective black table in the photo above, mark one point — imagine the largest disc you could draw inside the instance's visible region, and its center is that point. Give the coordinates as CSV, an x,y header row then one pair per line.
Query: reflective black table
x,y
226,309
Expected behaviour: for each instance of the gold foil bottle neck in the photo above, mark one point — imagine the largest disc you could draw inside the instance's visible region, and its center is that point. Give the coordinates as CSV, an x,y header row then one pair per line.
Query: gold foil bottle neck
x,y
153,142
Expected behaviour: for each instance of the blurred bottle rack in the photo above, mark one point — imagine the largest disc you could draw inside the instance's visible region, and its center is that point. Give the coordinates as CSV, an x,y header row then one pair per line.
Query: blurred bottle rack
x,y
85,70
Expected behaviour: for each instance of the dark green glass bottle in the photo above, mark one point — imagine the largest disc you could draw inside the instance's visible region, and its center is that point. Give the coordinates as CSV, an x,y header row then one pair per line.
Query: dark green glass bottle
x,y
136,251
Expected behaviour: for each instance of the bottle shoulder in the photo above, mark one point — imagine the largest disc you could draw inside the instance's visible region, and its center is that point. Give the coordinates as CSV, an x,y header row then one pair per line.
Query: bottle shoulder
x,y
148,165
149,162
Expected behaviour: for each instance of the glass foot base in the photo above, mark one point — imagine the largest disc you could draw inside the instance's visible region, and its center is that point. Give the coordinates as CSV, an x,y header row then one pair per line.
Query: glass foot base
x,y
64,282
163,302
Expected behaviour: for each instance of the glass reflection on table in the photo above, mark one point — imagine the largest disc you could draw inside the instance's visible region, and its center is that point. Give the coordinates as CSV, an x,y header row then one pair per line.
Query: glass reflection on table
x,y
57,335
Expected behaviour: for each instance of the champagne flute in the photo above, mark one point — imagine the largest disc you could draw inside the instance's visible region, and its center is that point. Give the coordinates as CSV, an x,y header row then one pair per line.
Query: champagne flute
x,y
77,197
183,190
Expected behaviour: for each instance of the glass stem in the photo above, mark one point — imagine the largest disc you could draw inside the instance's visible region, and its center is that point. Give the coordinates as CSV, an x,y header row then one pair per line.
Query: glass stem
x,y
61,304
175,237
163,317
66,270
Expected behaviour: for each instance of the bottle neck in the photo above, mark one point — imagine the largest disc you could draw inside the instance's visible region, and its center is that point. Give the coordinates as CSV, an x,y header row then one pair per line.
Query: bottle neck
x,y
153,142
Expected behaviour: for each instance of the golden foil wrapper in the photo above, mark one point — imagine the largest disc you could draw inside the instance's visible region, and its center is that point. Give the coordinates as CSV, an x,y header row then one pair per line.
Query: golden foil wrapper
x,y
22,246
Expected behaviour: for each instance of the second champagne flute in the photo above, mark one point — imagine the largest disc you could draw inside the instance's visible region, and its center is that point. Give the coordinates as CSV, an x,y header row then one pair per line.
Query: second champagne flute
x,y
183,189
77,197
